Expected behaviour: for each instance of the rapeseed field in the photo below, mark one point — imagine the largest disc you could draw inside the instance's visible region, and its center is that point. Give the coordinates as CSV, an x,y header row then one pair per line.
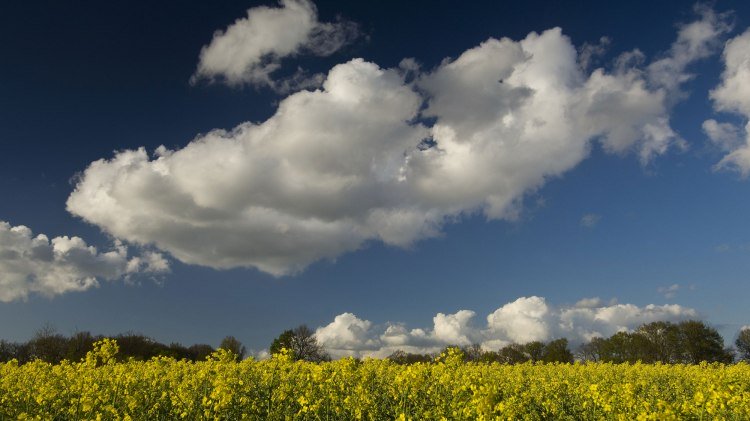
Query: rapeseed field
x,y
99,387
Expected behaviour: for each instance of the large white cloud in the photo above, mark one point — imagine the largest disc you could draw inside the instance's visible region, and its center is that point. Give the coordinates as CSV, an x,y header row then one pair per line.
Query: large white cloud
x,y
353,162
36,264
523,320
251,49
733,95
316,180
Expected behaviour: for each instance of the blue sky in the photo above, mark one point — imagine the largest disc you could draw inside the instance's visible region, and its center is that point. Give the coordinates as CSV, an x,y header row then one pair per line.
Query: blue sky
x,y
545,185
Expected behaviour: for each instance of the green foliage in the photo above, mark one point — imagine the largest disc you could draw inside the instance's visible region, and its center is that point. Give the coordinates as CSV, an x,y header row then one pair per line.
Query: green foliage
x,y
702,343
199,352
689,342
283,341
49,346
513,354
401,357
557,352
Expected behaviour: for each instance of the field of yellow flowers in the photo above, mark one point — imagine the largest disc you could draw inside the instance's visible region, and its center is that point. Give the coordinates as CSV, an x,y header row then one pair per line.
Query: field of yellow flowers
x,y
162,388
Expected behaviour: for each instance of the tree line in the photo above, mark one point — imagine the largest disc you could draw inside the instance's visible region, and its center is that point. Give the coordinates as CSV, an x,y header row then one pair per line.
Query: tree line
x,y
687,342
50,346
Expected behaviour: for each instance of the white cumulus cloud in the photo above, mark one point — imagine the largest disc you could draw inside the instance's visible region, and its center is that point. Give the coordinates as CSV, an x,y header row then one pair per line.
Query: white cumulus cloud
x,y
523,320
726,136
347,335
316,180
251,49
452,328
695,40
35,264
733,95
354,161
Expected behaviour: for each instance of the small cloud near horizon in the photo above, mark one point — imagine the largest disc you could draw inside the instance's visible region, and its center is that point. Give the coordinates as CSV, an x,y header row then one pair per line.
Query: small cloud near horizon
x,y
670,291
722,248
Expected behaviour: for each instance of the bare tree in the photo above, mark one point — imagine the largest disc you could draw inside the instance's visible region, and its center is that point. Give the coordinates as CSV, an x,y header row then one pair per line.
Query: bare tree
x,y
48,345
233,345
302,343
473,352
743,344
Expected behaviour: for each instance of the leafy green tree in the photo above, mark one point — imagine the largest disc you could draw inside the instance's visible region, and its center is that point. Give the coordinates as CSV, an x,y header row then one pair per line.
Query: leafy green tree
x,y
490,357
177,351
283,341
513,354
625,347
534,350
402,357
138,347
554,351
686,342
594,350
702,343
79,345
199,352
663,342
557,351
